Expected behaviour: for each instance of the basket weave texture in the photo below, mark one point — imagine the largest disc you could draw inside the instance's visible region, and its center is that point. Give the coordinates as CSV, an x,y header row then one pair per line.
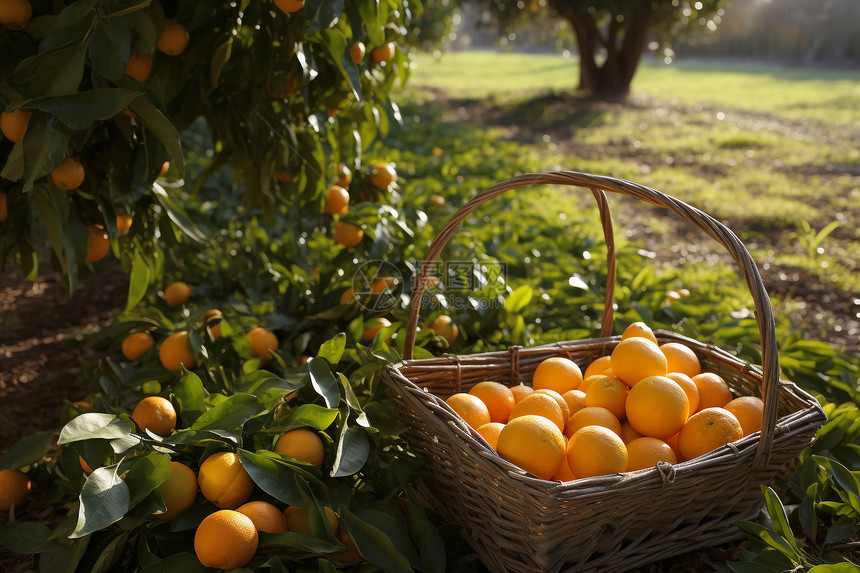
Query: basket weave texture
x,y
519,523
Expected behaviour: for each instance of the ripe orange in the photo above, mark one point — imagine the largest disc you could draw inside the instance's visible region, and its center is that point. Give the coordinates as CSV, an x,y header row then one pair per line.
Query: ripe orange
x,y
135,345
540,404
592,416
14,487
174,350
587,382
288,6
208,318
557,373
15,13
139,66
123,223
575,400
69,174
646,452
497,397
265,516
177,293
520,391
490,432
533,443
595,451
155,414
357,51
672,441
470,408
14,124
707,430
639,329
4,213
563,473
226,539
610,393
343,175
178,491
264,343
380,285
636,358
681,359
599,366
99,244
378,324
346,296
173,39
383,53
338,200
713,391
437,150
302,444
657,407
559,399
437,201
347,235
298,519
689,387
444,327
224,481
383,175
628,434
283,176
749,410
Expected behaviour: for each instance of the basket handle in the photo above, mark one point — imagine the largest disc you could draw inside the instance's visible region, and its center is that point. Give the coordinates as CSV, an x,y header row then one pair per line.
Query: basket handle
x,y
598,184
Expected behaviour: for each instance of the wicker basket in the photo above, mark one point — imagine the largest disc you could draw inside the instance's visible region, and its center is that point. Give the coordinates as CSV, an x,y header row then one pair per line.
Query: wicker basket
x,y
517,522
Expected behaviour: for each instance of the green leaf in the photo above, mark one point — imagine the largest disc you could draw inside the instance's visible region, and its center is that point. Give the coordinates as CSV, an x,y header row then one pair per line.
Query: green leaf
x,y
834,568
138,282
335,43
94,425
104,500
122,7
324,382
62,72
25,536
518,299
352,451
177,214
373,544
45,146
840,530
177,563
191,396
106,52
111,553
161,126
312,415
777,514
332,349
219,60
81,110
28,450
145,475
296,545
277,478
230,415
369,10
430,543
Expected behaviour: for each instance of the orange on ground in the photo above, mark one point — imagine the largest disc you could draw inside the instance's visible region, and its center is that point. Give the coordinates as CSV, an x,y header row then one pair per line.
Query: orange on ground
x,y
177,293
681,359
646,452
594,451
628,433
749,410
357,51
557,373
592,416
610,393
559,399
338,200
14,124
69,174
298,519
532,443
575,400
497,397
135,345
520,391
123,223
265,516
713,391
288,6
208,318
224,481
383,175
707,430
689,387
657,407
15,13
383,53
347,235
302,444
443,326
175,350
563,473
599,366
155,414
99,244
264,343
226,539
470,408
540,404
378,324
346,296
14,487
178,491
490,432
636,358
639,329
173,39
139,66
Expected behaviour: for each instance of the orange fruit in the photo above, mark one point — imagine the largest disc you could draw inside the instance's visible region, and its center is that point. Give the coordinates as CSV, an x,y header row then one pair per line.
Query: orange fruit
x,y
497,397
224,481
636,358
557,373
378,324
14,487
123,223
380,285
15,13
347,235
639,329
608,392
265,516
264,343
288,6
520,391
383,175
587,382
346,296
490,432
139,66
437,201
575,400
177,293
681,359
559,399
99,244
298,519
713,391
595,451
646,452
208,318
540,404
343,175
471,408
628,433
532,443
592,416
226,539
563,473
599,366
283,176
14,124
689,387
69,174
174,350
338,200
749,410
302,444
173,39
135,345
437,150
178,491
444,327
155,414
672,441
4,213
383,54
657,407
357,51
707,430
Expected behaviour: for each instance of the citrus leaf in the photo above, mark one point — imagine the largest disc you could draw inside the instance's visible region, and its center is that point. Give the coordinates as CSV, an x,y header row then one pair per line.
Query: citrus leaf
x,y
324,382
28,450
518,299
122,7
138,282
332,349
111,553
145,475
191,396
229,415
296,545
161,126
312,415
106,53
352,451
25,536
430,543
94,425
373,544
177,563
278,479
103,501
369,10
81,110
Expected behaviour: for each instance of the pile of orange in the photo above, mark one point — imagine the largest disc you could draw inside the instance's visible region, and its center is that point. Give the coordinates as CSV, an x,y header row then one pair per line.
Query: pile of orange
x,y
642,404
